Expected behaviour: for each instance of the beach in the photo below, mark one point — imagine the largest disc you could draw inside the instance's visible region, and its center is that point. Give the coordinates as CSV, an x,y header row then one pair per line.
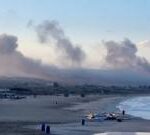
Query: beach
x,y
64,114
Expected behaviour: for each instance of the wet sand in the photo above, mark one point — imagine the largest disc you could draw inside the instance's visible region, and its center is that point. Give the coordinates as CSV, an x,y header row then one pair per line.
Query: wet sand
x,y
64,114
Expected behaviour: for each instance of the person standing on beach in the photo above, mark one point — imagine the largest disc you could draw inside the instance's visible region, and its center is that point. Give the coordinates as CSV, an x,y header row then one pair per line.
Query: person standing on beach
x,y
123,112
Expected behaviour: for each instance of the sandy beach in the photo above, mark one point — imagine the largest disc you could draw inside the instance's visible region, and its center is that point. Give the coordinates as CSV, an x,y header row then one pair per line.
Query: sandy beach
x,y
64,114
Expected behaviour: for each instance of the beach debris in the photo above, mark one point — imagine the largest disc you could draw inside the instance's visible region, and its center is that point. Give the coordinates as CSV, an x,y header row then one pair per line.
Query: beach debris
x,y
95,117
119,120
112,116
106,116
90,116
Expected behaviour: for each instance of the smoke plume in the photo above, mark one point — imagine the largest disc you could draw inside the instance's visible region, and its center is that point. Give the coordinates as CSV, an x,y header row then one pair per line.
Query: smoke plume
x,y
120,55
14,63
50,30
123,55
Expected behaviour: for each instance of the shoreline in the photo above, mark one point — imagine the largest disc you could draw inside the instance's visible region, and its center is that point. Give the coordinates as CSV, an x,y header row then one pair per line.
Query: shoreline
x,y
134,124
70,123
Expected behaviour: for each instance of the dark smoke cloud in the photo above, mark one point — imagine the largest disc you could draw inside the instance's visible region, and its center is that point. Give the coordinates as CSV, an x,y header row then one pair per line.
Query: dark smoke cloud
x,y
123,55
14,63
7,44
50,30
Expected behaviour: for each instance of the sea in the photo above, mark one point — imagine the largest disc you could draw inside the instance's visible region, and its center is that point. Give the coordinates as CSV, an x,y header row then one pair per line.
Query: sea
x,y
137,106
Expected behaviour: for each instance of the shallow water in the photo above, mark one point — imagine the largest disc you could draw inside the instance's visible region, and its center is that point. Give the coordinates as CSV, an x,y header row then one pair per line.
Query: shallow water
x,y
138,106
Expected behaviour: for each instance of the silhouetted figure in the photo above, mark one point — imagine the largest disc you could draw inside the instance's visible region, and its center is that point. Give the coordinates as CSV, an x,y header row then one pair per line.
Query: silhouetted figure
x,y
43,127
48,130
83,122
123,112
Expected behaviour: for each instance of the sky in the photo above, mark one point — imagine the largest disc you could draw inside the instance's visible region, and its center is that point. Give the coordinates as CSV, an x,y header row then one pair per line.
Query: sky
x,y
104,19
81,34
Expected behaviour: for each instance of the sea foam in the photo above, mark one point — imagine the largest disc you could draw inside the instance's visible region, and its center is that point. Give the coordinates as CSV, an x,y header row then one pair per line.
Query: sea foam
x,y
138,106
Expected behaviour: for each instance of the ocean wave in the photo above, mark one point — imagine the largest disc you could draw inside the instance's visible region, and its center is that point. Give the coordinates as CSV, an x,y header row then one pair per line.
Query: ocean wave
x,y
138,106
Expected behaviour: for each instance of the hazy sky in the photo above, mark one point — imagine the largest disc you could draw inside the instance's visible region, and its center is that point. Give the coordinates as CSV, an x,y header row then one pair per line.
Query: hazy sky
x,y
88,31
